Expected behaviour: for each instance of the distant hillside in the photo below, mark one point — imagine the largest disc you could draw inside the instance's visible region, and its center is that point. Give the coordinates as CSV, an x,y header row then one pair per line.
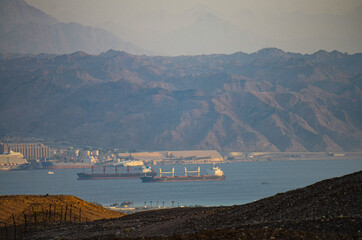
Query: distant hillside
x,y
270,100
25,29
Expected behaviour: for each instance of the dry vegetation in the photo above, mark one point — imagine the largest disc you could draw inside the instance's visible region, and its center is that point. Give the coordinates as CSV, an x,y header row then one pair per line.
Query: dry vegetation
x,y
50,208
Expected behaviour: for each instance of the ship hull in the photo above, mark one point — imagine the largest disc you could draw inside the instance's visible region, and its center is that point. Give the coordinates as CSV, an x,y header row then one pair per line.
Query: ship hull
x,y
102,176
147,179
67,166
14,167
7,167
51,165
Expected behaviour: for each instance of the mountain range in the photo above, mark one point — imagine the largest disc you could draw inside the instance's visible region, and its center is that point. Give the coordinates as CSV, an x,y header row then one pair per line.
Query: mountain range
x,y
25,29
269,100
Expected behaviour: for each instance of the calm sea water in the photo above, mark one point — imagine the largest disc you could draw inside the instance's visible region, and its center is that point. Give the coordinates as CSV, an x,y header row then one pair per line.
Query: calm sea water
x,y
245,182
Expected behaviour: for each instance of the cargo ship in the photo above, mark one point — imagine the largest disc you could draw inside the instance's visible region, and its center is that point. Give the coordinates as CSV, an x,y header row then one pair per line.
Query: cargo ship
x,y
118,174
65,165
217,175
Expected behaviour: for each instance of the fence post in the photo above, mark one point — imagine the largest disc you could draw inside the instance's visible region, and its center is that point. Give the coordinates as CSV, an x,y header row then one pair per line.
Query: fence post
x,y
14,226
65,215
34,213
70,214
42,214
50,212
55,213
80,214
25,226
6,231
44,219
35,220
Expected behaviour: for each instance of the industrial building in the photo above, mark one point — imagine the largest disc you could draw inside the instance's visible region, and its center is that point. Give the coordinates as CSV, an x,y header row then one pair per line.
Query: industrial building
x,y
30,150
176,157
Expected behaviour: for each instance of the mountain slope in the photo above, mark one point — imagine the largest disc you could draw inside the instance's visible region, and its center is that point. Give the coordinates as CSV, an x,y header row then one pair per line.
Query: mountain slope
x,y
25,29
265,101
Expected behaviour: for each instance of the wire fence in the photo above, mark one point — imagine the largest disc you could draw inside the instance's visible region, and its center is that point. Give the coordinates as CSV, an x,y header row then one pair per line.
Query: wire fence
x,y
34,219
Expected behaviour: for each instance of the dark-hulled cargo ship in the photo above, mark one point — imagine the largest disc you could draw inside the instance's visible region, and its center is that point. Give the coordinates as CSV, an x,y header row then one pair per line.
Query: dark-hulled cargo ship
x,y
146,171
218,175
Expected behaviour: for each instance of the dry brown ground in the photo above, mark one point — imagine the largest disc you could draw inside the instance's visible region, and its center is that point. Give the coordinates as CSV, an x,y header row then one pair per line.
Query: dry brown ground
x,y
54,206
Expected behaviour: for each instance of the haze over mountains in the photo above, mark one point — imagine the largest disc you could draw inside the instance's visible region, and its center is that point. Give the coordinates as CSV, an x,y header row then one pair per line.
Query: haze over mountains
x,y
199,29
266,101
204,33
192,27
25,29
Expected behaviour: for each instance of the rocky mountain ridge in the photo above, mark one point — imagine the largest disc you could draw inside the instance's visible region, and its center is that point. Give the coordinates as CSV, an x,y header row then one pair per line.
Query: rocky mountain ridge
x,y
269,100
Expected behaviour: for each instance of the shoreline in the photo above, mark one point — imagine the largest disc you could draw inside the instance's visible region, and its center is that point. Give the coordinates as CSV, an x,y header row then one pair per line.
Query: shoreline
x,y
326,158
258,157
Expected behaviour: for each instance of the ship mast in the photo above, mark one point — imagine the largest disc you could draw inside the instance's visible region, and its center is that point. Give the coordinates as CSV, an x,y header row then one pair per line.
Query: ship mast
x,y
198,171
172,172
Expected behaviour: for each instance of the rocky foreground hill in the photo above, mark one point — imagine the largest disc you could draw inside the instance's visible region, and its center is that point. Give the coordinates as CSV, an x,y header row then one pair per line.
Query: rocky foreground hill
x,y
330,209
270,100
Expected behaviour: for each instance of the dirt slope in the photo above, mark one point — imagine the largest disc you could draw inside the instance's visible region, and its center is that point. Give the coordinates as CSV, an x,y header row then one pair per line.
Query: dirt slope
x,y
55,207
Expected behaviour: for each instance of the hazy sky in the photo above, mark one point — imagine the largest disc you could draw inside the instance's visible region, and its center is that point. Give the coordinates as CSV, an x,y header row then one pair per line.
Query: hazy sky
x,y
94,11
293,25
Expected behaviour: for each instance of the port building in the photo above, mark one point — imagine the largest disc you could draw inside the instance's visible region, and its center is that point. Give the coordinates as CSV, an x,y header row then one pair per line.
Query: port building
x,y
194,156
176,157
29,150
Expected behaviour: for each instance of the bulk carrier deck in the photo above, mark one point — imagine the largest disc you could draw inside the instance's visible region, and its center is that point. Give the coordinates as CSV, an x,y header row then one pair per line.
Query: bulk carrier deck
x,y
217,176
146,171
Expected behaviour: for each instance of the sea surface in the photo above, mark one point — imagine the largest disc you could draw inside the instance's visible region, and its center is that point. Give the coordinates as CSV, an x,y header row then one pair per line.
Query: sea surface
x,y
245,182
